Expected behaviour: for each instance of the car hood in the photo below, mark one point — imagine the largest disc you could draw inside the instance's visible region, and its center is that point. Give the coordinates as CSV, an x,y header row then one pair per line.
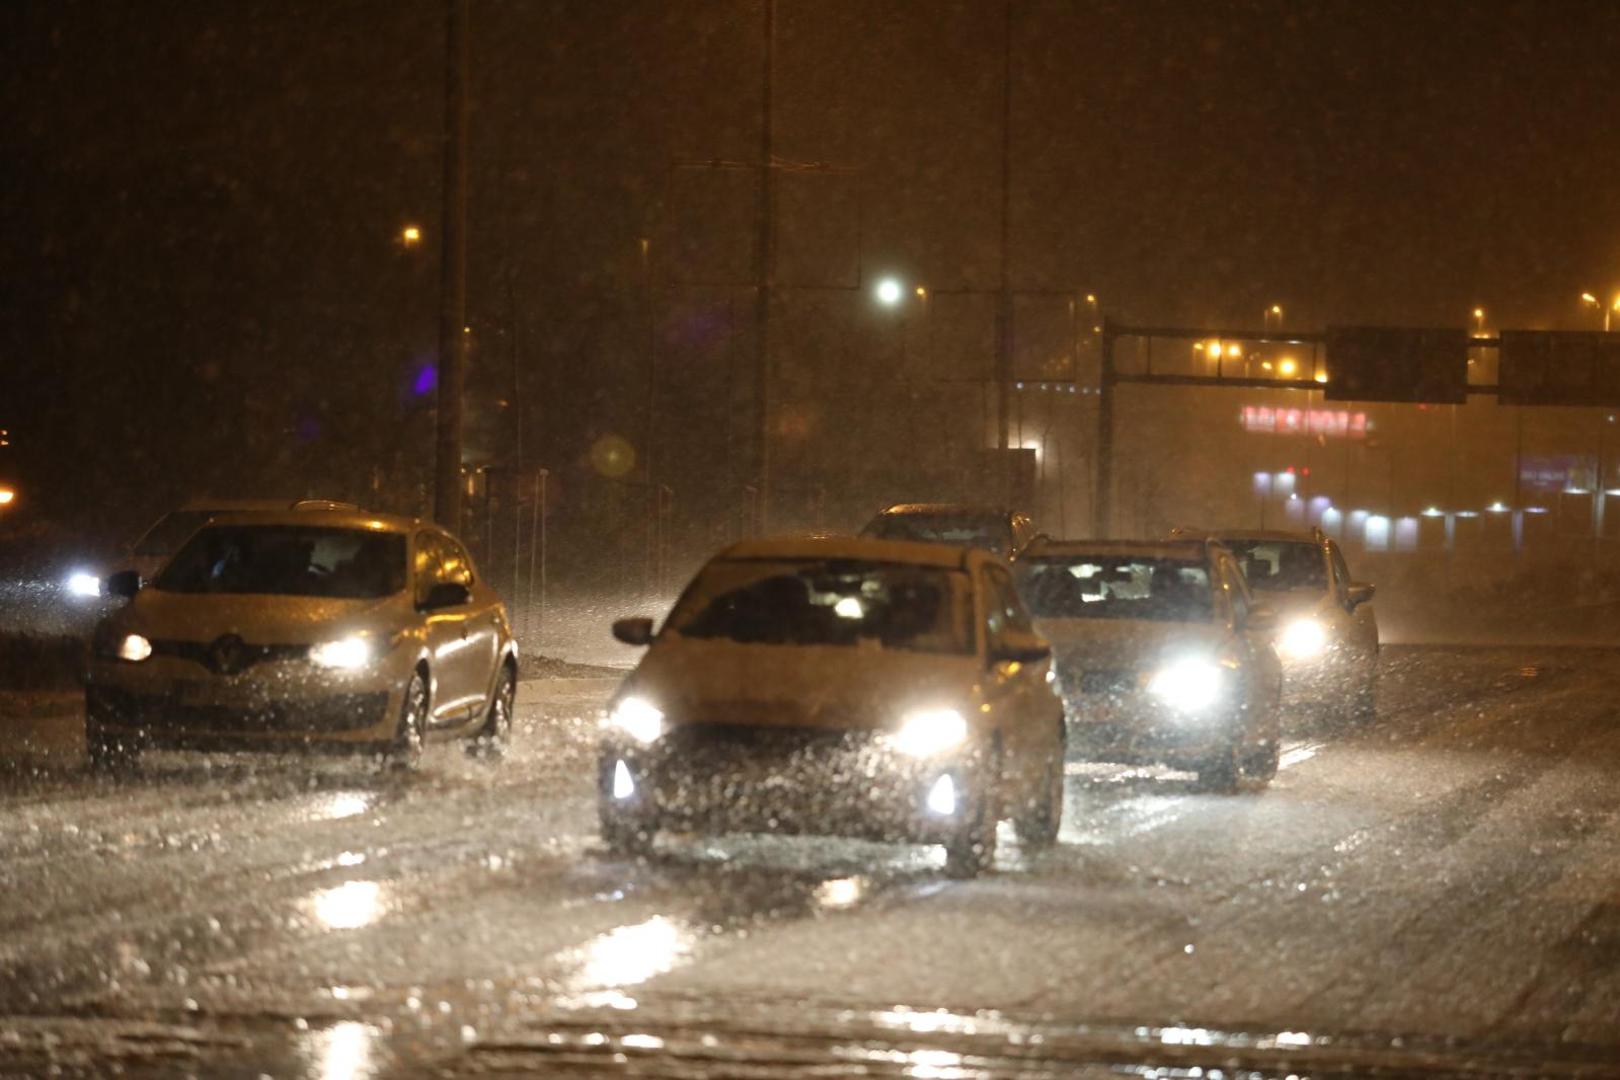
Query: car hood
x,y
258,620
1097,644
827,686
1291,603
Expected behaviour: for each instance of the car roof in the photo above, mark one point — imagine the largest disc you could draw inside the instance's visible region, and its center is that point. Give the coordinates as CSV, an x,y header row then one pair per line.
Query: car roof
x,y
223,506
946,556
1184,550
946,508
334,519
1252,534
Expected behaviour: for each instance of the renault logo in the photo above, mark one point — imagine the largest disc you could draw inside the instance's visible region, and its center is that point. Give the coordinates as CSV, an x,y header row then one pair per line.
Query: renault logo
x,y
228,655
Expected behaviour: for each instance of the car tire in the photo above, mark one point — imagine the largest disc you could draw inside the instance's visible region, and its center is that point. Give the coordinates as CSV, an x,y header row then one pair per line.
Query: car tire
x,y
1038,826
972,849
491,741
405,752
1221,774
1260,763
109,754
628,839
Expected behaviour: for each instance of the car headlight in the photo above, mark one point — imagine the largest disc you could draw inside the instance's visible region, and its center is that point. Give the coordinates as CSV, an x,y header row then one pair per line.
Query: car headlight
x,y
1302,639
1190,685
638,719
84,585
345,654
134,648
930,731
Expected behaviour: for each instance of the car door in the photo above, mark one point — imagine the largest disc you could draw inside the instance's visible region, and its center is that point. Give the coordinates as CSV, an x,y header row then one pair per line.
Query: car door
x,y
484,623
1020,697
1364,622
446,631
1262,668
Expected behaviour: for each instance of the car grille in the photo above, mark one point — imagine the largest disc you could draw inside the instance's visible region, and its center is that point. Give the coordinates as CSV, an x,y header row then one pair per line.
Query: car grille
x,y
245,656
340,712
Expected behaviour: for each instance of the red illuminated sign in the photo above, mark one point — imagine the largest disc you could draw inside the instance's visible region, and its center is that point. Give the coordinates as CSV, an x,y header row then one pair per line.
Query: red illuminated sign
x,y
1331,423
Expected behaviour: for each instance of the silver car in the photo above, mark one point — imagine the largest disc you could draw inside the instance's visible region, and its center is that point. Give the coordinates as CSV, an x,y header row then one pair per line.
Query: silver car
x,y
1162,655
319,629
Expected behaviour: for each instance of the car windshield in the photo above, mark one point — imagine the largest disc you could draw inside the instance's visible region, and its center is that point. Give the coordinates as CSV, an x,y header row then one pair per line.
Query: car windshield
x,y
988,531
171,531
286,560
1115,587
1281,565
839,603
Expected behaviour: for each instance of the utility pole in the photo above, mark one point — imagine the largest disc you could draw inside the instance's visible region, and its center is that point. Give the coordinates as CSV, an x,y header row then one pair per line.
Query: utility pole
x,y
765,257
1004,313
452,374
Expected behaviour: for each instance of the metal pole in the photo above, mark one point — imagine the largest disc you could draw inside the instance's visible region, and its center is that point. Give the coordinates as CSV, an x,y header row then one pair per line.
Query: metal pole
x,y
1103,505
534,537
539,635
765,256
1004,315
453,274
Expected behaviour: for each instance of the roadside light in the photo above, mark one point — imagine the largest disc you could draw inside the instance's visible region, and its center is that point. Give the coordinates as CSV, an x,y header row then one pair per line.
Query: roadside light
x,y
1287,367
888,292
1321,376
410,236
1234,351
1589,298
1214,350
922,293
6,496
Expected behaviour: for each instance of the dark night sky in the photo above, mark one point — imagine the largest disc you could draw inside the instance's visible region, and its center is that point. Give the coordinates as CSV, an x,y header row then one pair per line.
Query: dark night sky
x,y
197,236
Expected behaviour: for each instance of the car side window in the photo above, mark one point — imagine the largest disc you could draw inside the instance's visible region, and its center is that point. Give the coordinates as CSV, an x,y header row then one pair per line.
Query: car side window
x,y
1004,610
1341,573
458,567
428,565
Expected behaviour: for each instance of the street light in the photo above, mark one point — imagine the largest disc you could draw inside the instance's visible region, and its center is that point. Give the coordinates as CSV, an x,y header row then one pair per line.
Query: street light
x,y
1608,312
410,236
6,496
889,292
1275,311
1479,320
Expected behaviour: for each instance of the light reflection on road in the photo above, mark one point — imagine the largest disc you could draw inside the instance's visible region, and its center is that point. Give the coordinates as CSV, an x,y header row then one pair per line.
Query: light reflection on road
x,y
348,906
342,1052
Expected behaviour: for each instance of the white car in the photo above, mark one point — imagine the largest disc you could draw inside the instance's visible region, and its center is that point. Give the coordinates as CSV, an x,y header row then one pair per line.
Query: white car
x,y
304,629
855,687
1327,631
1162,655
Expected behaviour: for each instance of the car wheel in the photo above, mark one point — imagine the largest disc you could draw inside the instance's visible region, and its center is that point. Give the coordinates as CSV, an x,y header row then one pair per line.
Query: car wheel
x,y
1221,774
109,754
1260,763
628,839
1038,826
1364,706
971,850
490,742
405,753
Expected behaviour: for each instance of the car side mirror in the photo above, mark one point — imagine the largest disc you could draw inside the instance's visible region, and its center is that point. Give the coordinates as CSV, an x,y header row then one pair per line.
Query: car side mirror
x,y
1261,620
125,583
1359,593
446,594
637,631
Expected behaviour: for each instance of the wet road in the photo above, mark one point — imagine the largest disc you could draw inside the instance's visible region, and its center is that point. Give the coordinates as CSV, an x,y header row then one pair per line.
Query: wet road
x,y
1439,893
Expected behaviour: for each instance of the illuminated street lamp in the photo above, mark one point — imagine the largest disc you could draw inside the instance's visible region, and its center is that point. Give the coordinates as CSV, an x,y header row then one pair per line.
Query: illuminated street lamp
x,y
1287,368
888,292
1479,320
1608,312
7,496
1275,311
410,236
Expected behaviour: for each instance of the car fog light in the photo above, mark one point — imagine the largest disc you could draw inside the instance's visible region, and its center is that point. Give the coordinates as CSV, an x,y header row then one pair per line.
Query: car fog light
x,y
134,648
942,797
1303,639
923,734
345,653
638,719
623,786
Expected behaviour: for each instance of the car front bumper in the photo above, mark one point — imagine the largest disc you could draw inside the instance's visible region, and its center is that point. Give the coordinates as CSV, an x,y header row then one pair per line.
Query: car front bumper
x,y
1139,731
788,781
172,703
